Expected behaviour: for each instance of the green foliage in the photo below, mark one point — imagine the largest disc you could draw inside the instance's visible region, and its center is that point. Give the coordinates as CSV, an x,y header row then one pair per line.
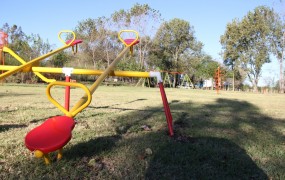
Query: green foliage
x,y
128,64
27,47
100,45
245,43
38,46
59,59
277,42
172,40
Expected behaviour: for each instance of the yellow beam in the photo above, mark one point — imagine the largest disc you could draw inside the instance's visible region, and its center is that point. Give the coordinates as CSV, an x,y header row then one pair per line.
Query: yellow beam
x,y
82,71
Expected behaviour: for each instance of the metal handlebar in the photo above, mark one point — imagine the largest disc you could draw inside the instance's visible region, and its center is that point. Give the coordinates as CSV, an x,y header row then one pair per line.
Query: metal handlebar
x,y
66,31
124,31
60,107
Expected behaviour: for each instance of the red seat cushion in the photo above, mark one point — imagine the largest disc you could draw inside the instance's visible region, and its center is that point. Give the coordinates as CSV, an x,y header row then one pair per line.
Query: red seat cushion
x,y
130,41
76,41
50,136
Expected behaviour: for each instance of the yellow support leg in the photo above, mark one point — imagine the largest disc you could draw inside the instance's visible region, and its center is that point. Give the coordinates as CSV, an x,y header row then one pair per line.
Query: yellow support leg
x,y
59,154
40,154
47,159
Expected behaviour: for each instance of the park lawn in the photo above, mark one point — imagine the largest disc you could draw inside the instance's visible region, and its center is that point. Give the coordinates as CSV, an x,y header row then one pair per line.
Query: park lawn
x,y
123,135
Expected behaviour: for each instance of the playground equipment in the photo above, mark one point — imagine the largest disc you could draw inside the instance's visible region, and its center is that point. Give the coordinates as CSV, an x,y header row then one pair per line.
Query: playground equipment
x,y
167,79
218,79
56,132
3,42
143,82
184,80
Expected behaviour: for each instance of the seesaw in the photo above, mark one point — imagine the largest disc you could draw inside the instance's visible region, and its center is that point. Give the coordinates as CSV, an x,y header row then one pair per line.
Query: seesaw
x,y
56,132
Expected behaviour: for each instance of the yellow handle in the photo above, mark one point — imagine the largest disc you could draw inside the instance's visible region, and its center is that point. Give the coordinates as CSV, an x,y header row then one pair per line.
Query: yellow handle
x,y
77,110
66,31
124,31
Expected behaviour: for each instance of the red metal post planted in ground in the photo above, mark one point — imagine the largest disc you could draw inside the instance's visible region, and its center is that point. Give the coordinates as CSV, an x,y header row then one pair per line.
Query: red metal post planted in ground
x,y
67,94
166,109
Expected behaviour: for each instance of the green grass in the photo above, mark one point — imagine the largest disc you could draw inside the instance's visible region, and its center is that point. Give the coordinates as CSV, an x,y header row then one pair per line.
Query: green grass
x,y
232,135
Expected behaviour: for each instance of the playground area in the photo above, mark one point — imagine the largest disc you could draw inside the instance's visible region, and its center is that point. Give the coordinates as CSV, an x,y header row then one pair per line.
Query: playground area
x,y
133,92
130,132
122,134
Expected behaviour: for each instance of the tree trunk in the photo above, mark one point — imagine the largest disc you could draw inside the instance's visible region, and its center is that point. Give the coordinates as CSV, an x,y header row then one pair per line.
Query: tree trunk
x,y
233,81
281,78
254,83
281,75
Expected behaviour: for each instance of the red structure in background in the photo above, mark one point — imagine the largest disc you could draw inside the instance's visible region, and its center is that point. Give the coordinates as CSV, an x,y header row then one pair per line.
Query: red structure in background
x,y
218,79
3,42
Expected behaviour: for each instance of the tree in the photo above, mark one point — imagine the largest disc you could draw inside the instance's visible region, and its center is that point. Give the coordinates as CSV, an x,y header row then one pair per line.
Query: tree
x,y
99,44
17,42
172,40
145,20
199,67
245,43
231,45
37,45
277,41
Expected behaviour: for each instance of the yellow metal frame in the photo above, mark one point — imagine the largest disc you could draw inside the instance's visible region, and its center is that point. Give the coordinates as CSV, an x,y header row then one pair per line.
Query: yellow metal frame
x,y
8,50
28,65
73,112
82,71
86,99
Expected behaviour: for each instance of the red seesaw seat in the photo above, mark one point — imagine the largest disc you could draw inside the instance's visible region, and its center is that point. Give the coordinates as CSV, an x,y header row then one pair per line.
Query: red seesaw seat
x,y
76,41
50,136
130,41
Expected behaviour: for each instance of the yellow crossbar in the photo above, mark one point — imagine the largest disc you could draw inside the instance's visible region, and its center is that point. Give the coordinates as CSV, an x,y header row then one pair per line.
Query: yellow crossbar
x,y
82,71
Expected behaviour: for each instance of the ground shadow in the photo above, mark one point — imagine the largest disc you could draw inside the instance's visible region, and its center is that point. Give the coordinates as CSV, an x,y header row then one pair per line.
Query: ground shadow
x,y
7,94
126,109
91,147
6,127
202,158
208,144
196,152
111,106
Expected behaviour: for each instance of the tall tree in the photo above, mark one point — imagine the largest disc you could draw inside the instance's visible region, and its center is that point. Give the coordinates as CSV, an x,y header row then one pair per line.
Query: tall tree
x,y
37,45
277,41
245,43
172,40
99,43
231,46
145,20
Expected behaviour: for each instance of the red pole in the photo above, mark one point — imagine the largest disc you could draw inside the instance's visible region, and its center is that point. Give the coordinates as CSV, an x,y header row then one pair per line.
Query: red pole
x,y
67,93
166,109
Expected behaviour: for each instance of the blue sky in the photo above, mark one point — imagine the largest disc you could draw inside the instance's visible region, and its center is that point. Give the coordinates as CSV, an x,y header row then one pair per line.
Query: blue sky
x,y
209,17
